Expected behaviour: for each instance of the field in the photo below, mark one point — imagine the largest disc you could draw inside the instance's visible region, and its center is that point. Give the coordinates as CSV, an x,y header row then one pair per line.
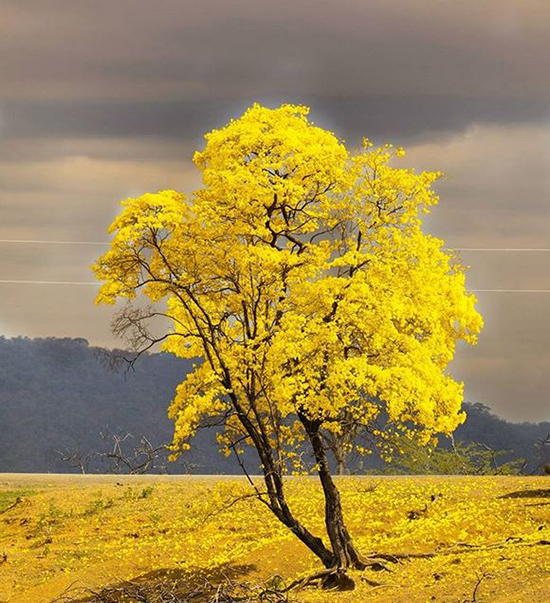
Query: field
x,y
485,538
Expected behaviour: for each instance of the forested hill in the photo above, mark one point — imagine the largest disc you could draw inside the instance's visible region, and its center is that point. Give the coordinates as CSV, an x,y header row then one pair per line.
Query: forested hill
x,y
58,393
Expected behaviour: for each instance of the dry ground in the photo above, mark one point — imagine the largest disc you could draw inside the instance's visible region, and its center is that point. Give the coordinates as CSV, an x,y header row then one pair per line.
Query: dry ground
x,y
89,531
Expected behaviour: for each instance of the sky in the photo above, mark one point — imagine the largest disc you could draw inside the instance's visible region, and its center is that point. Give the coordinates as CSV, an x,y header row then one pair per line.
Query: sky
x,y
103,100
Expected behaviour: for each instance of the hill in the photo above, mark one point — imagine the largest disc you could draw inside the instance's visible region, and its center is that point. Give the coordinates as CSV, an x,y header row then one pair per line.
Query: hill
x,y
57,393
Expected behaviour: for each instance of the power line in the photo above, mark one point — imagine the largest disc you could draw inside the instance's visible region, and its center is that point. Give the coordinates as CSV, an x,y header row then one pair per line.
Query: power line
x,y
53,242
509,290
499,248
105,243
13,282
92,283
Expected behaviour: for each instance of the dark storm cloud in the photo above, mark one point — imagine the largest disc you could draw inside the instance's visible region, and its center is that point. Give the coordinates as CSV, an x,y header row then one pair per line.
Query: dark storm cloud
x,y
380,118
173,68
57,119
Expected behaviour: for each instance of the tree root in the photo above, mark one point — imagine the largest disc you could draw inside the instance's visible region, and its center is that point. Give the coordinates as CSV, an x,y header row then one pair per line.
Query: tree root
x,y
375,566
327,579
461,547
392,558
18,501
337,579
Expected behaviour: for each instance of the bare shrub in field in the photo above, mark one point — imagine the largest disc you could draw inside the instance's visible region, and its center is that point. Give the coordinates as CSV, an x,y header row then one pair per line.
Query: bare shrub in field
x,y
543,449
463,458
226,591
120,453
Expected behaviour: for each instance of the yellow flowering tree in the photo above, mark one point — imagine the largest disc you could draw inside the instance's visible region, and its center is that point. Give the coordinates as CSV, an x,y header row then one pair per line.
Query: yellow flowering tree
x,y
300,275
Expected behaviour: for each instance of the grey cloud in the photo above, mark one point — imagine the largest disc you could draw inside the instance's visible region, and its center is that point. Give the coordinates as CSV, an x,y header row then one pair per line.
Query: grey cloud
x,y
132,47
144,149
388,68
76,196
508,370
396,119
49,119
495,192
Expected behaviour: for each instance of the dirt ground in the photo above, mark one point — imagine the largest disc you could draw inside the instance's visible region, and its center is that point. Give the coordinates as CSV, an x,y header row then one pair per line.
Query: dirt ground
x,y
469,539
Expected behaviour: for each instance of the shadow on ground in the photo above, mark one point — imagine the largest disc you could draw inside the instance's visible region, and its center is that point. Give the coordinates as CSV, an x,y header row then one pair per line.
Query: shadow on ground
x,y
540,493
169,584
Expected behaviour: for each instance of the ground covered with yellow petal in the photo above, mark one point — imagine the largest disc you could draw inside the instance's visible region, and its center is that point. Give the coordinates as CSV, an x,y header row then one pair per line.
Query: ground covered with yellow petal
x,y
457,539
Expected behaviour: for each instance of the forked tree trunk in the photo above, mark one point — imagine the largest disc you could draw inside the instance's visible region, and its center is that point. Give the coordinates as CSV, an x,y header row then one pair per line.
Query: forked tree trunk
x,y
273,480
345,554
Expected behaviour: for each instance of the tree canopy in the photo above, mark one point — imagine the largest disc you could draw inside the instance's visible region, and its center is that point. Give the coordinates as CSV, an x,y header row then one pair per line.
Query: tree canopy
x,y
300,274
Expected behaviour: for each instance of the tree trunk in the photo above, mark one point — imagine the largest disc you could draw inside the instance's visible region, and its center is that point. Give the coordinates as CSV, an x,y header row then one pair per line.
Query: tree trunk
x,y
275,489
339,458
313,543
344,553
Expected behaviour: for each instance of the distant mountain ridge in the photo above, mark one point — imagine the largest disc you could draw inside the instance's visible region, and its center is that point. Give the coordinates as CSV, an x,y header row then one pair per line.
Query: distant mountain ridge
x,y
57,393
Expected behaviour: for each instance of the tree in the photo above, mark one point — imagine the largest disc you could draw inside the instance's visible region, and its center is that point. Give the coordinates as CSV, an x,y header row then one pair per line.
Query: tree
x,y
462,458
300,275
543,448
120,454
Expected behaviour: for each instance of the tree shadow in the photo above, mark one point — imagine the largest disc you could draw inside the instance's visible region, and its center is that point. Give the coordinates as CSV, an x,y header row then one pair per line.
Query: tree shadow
x,y
165,584
539,493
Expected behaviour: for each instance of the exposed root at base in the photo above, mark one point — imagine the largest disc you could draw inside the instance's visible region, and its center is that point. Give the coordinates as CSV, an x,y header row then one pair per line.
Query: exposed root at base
x,y
337,579
458,547
327,579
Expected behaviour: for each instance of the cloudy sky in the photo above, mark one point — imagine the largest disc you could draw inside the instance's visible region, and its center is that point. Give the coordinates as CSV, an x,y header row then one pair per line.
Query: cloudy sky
x,y
100,100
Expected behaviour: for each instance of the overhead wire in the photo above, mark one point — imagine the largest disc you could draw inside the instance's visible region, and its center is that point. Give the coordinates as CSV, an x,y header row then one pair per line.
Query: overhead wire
x,y
104,243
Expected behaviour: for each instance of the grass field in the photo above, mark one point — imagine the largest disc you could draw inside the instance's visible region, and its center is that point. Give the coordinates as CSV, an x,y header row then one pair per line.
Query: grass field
x,y
60,532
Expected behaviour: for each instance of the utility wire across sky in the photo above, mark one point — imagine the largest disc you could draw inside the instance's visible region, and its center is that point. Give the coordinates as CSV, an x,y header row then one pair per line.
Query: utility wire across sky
x,y
92,283
53,242
103,243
